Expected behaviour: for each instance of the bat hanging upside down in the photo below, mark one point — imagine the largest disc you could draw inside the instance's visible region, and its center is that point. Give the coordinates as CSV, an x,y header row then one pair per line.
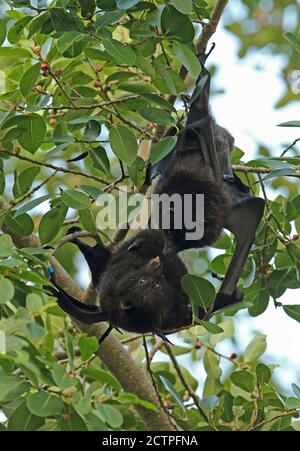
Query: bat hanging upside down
x,y
139,284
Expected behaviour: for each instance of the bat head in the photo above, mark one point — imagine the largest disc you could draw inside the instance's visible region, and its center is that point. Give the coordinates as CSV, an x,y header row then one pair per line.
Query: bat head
x,y
141,298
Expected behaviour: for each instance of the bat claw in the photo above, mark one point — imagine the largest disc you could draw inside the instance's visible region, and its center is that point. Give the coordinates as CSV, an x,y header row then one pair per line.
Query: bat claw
x,y
163,337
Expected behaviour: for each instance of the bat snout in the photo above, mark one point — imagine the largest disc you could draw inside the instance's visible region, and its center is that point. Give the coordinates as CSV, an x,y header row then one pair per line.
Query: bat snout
x,y
155,266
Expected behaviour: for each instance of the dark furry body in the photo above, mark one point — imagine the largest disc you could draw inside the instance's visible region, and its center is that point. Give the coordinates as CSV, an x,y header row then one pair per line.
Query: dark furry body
x,y
158,304
189,175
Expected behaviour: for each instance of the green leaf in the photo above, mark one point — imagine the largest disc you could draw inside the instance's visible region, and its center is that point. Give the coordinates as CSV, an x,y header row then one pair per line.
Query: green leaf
x,y
130,398
209,404
31,204
11,387
111,415
87,7
22,419
292,403
169,387
166,76
92,130
88,346
157,116
6,246
68,39
44,404
2,184
244,380
51,223
296,390
201,291
248,281
157,100
290,124
260,304
100,159
255,348
71,422
200,85
24,180
7,290
21,224
161,149
187,58
176,25
263,374
37,23
144,64
294,40
122,53
228,414
102,376
14,52
15,32
137,171
87,220
75,199
183,6
34,302
61,378
280,173
293,311
126,4
28,79
138,87
211,365
2,32
211,327
64,21
123,143
34,129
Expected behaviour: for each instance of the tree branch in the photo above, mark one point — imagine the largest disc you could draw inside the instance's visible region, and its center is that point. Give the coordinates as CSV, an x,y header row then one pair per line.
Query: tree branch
x,y
281,415
55,168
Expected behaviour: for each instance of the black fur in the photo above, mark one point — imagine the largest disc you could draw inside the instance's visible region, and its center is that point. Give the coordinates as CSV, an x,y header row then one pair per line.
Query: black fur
x,y
139,288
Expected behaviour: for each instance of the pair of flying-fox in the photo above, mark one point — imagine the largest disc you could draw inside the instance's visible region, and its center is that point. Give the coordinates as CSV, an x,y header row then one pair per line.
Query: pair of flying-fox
x,y
139,283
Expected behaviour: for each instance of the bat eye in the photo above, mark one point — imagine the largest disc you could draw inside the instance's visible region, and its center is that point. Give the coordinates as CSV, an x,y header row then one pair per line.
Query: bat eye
x,y
126,306
142,281
157,285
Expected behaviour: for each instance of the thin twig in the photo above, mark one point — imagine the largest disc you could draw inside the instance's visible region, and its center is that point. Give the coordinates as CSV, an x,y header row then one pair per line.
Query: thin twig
x,y
186,385
281,415
16,202
290,147
155,348
62,88
55,168
91,106
148,367
259,170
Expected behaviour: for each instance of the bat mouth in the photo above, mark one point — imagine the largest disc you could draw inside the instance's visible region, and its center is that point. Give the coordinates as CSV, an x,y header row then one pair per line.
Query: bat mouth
x,y
156,263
